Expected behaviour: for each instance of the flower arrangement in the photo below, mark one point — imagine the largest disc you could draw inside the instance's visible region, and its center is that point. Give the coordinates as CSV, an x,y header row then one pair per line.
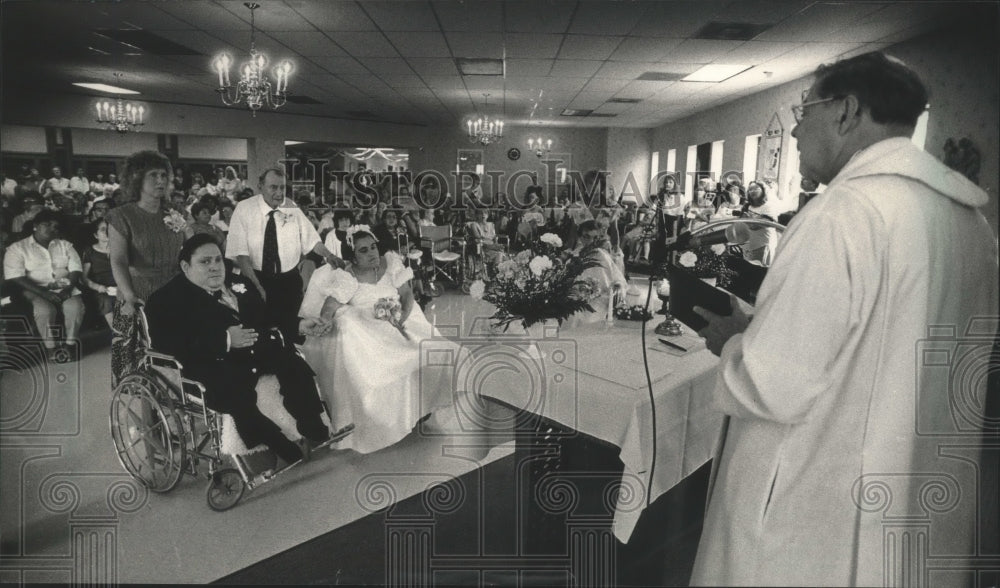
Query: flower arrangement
x,y
174,221
539,283
390,310
709,262
239,288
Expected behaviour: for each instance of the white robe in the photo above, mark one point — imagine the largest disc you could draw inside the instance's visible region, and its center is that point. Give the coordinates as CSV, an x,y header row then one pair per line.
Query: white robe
x,y
829,472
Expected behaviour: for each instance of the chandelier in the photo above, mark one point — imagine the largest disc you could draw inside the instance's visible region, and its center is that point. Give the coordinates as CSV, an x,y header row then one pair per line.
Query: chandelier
x,y
483,130
119,115
540,147
254,88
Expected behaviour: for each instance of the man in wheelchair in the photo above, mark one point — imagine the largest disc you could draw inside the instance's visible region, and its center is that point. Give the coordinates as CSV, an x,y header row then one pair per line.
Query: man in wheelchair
x,y
216,326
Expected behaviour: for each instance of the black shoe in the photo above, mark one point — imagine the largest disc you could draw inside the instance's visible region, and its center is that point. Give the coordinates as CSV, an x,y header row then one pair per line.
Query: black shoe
x,y
316,432
287,450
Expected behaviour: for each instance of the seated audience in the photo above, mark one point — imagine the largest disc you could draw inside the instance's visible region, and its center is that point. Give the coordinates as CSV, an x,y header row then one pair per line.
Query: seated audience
x,y
388,231
97,274
217,326
48,270
483,235
607,274
201,216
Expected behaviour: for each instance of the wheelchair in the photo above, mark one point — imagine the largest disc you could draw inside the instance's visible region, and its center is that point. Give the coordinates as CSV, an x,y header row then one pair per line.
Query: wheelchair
x,y
447,252
162,430
475,264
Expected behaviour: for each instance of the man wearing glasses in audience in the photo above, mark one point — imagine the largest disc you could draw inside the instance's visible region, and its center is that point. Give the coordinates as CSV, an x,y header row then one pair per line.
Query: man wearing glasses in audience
x,y
830,402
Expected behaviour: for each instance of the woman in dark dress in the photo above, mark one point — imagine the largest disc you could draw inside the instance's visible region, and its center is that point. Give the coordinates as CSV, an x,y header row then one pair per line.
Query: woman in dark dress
x,y
143,243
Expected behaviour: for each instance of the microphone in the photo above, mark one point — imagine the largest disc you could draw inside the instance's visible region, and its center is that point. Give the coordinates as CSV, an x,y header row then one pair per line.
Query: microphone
x,y
686,241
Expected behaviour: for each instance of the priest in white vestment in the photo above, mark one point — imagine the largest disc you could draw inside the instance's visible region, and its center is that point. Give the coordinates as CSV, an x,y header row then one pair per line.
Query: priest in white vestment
x,y
854,395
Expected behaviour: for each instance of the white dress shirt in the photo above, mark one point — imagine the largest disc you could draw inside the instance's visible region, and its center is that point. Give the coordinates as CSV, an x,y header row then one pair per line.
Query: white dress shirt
x,y
58,184
42,265
79,184
296,234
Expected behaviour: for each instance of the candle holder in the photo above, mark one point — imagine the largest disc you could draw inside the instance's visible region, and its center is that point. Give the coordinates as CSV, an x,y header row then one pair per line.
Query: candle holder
x,y
669,326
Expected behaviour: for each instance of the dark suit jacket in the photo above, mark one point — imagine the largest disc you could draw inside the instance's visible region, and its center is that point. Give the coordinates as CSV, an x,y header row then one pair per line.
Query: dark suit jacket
x,y
187,322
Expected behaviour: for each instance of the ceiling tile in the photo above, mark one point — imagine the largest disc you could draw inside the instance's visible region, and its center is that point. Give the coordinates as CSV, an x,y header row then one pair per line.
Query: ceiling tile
x,y
402,16
644,49
760,51
473,17
433,66
427,44
818,21
198,40
387,65
588,47
365,45
760,11
605,85
599,18
309,43
271,16
572,68
488,45
642,89
444,82
333,16
529,67
205,15
539,16
677,19
522,45
630,70
340,64
703,51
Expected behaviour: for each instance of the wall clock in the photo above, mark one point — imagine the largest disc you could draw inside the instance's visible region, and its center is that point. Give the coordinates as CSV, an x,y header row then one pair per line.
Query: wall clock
x,y
514,154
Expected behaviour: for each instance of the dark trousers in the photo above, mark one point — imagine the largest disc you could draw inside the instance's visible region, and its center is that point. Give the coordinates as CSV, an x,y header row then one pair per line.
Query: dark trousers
x,y
230,387
284,297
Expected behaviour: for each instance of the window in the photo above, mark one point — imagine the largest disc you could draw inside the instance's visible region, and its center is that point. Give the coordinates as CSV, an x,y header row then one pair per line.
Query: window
x,y
751,151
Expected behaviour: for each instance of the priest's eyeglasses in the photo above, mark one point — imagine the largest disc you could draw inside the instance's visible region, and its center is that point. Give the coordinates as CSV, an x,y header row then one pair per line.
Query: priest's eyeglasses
x,y
799,109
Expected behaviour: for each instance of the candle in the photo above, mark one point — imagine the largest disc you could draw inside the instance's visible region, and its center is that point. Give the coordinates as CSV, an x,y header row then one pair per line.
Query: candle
x,y
218,68
610,318
141,110
469,123
98,111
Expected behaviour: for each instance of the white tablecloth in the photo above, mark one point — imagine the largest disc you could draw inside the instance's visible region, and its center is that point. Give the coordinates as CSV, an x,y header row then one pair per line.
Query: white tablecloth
x,y
592,380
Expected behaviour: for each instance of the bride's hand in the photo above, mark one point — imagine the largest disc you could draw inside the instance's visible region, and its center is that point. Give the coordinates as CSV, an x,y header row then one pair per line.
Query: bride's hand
x,y
315,327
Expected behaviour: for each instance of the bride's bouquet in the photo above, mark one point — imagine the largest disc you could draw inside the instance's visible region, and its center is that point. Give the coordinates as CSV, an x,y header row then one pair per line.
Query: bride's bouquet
x,y
390,310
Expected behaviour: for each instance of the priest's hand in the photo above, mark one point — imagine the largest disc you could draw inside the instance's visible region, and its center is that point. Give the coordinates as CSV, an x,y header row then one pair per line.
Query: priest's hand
x,y
721,328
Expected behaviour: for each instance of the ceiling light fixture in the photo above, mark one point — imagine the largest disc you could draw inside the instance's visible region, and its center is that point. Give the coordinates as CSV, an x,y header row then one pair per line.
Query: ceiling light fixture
x,y
715,72
105,88
483,130
540,147
120,116
254,88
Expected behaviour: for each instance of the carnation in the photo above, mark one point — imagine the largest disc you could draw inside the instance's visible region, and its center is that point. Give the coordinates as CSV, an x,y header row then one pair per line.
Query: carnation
x,y
718,249
539,264
507,267
688,259
552,239
477,289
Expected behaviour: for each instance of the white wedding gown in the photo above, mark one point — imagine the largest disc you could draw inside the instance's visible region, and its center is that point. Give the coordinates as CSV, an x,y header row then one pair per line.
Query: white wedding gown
x,y
368,372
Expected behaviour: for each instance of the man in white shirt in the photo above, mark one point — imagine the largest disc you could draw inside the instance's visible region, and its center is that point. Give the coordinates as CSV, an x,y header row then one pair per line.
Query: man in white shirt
x,y
48,270
79,183
855,395
268,237
57,183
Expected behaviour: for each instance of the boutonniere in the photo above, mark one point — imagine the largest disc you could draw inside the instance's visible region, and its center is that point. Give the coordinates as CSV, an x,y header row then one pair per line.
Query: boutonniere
x,y
283,217
239,288
175,221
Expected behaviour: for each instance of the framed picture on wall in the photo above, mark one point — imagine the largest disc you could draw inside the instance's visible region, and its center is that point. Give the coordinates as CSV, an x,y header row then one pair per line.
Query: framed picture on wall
x,y
770,154
470,160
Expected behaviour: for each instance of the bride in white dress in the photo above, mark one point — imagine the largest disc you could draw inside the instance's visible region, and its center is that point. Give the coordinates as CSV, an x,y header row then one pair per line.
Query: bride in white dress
x,y
369,372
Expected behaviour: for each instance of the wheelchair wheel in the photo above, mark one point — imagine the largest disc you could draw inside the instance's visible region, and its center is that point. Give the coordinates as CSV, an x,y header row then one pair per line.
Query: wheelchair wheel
x,y
225,488
147,432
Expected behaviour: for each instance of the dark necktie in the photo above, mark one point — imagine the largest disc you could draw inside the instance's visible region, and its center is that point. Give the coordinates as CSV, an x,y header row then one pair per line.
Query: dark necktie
x,y
218,295
271,263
